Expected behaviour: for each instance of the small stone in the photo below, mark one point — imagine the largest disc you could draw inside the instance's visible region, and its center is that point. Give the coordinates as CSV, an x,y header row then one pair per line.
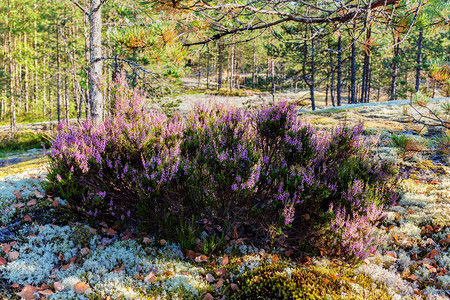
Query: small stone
x,y
162,242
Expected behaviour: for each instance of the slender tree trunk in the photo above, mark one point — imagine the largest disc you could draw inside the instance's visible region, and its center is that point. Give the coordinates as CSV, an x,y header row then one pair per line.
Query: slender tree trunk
x,y
220,63
313,72
50,106
310,83
58,75
76,96
18,83
26,75
369,82
273,77
254,64
395,69
11,80
353,74
332,77
339,72
66,97
207,65
36,82
87,57
44,99
2,108
232,66
419,59
95,74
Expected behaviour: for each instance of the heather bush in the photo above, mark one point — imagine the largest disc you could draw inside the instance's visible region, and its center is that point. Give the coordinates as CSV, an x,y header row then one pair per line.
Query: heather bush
x,y
260,168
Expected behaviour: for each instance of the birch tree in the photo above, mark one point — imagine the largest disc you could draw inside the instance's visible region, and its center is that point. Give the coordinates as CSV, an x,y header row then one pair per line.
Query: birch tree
x,y
94,14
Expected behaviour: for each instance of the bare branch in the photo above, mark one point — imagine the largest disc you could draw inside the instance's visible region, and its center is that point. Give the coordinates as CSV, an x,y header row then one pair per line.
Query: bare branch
x,y
79,6
236,30
94,9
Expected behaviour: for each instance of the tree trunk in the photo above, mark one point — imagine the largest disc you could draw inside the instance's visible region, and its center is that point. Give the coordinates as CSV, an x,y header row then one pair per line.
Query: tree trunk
x,y
26,79
419,59
332,78
313,71
58,75
207,66
395,69
369,82
44,99
273,77
353,74
50,103
36,83
11,78
87,58
95,74
339,72
2,108
220,63
18,70
309,83
232,71
254,64
66,97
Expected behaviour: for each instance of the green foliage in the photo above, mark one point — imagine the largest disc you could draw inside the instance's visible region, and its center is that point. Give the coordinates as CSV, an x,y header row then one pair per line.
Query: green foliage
x,y
24,140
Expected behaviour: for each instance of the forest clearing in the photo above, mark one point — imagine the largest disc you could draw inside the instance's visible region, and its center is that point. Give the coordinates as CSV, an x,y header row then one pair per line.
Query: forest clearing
x,y
49,249
224,149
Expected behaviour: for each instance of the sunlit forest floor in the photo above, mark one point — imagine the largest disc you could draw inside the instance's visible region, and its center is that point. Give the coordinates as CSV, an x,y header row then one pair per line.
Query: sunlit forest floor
x,y
47,251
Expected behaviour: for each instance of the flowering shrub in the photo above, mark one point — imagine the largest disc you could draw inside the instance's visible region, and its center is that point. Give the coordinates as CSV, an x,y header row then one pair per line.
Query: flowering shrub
x,y
263,167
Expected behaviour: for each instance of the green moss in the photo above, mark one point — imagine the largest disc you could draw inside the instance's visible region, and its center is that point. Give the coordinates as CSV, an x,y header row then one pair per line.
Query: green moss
x,y
330,112
280,281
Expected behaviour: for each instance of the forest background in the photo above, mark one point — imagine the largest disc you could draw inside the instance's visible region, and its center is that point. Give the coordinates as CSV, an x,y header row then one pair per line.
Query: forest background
x,y
352,52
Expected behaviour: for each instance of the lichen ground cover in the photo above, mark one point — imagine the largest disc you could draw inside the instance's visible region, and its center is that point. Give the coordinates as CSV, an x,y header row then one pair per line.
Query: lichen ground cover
x,y
47,254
